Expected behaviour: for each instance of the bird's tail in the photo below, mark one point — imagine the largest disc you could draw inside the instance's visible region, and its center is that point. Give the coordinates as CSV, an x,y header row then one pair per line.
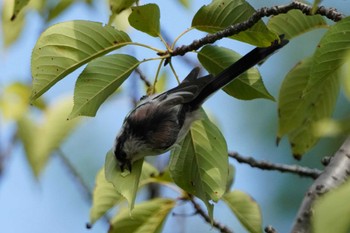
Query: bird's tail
x,y
243,64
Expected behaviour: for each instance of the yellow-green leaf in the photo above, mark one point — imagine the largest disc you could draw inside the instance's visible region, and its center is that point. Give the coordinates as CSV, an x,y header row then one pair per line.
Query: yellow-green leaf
x,y
64,47
105,196
330,54
101,78
11,29
295,23
245,209
145,18
220,14
298,112
247,86
200,164
126,184
147,217
118,6
42,139
331,211
19,5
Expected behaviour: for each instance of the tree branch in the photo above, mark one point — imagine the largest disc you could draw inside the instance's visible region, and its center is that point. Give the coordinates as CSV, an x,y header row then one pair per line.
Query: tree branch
x,y
222,228
264,165
335,174
330,13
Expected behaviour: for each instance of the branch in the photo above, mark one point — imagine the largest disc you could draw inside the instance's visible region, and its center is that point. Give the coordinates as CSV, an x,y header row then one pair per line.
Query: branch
x,y
330,13
264,165
333,176
222,228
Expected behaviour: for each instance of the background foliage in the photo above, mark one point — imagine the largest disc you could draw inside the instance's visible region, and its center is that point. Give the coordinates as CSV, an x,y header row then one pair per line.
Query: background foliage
x,y
42,128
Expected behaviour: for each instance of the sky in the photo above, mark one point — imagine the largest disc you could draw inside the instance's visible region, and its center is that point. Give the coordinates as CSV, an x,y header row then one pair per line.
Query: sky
x,y
56,203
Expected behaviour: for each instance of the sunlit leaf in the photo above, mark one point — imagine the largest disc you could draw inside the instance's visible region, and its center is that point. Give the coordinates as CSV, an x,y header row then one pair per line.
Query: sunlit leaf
x,y
230,177
11,29
99,80
295,23
247,86
105,196
64,47
245,209
200,164
298,112
145,18
220,14
42,139
147,217
330,212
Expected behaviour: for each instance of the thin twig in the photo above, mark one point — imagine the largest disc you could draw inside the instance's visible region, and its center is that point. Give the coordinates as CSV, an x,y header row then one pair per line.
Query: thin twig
x,y
264,165
270,229
143,77
222,228
330,13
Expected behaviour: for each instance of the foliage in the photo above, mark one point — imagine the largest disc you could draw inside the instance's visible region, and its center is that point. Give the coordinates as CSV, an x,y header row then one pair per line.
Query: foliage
x,y
199,165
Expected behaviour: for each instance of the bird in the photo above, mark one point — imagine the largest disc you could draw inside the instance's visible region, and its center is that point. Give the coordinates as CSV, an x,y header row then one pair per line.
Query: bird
x,y
161,121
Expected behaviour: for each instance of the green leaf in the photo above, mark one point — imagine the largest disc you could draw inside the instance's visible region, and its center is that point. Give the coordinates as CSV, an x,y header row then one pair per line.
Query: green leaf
x,y
185,3
101,78
331,211
146,19
64,47
295,23
147,217
126,184
247,86
61,6
245,209
118,6
221,14
19,5
41,140
345,76
105,196
200,164
330,54
298,112
11,29
230,177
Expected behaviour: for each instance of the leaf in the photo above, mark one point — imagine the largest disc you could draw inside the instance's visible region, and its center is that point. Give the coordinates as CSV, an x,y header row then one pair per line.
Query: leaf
x,y
14,101
147,217
221,14
330,54
247,86
330,128
105,196
299,112
19,5
101,78
331,208
64,47
41,140
295,23
60,7
345,76
230,177
126,185
146,19
11,29
245,209
118,6
200,164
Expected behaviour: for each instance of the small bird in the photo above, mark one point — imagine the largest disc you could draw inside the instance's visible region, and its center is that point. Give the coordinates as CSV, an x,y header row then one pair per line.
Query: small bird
x,y
160,121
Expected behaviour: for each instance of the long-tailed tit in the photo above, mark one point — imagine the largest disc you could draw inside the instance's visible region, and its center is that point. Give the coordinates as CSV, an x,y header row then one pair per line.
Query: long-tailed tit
x,y
160,121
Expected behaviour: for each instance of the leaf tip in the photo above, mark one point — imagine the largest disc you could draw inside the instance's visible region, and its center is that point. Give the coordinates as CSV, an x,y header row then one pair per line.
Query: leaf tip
x,y
88,225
